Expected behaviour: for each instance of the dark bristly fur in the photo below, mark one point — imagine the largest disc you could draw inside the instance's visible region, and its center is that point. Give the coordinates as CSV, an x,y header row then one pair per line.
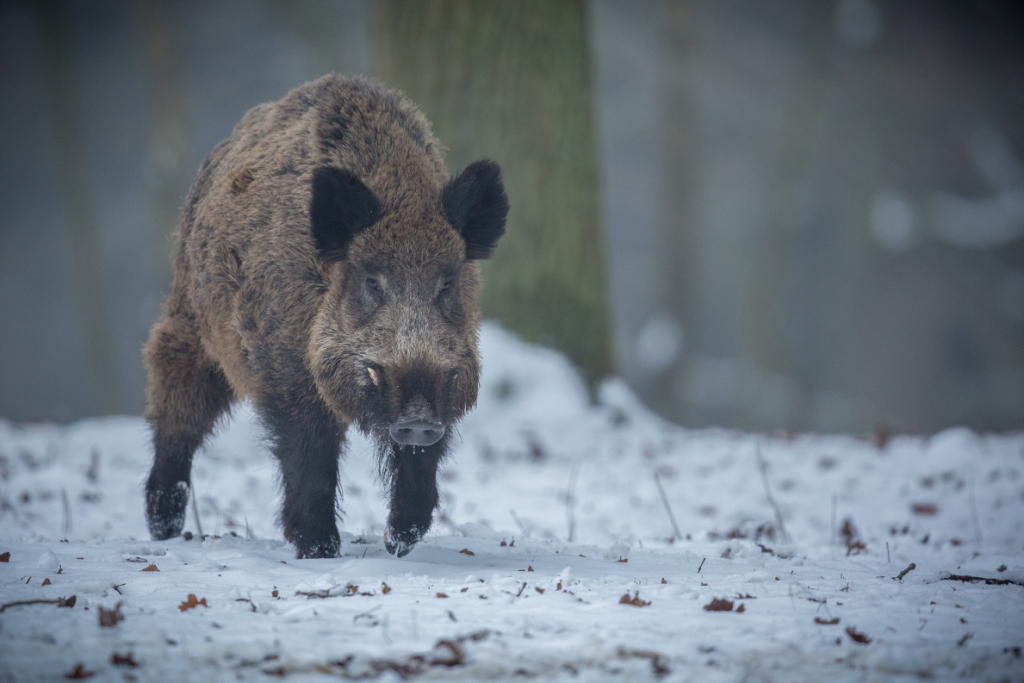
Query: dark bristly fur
x,y
326,270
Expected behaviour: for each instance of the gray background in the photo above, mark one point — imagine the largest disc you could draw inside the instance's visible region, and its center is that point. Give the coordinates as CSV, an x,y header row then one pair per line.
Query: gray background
x,y
814,210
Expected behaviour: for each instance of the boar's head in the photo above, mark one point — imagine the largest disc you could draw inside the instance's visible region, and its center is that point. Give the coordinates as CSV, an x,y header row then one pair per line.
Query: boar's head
x,y
394,344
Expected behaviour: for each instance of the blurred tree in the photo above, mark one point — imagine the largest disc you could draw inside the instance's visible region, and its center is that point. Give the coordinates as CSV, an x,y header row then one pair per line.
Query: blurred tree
x,y
62,84
511,80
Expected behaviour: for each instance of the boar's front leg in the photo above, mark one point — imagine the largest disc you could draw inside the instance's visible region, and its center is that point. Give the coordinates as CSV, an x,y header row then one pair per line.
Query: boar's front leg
x,y
306,439
413,478
187,393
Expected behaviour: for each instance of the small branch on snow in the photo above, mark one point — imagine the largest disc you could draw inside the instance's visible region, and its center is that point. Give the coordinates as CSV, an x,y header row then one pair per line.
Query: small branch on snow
x,y
672,518
60,602
911,567
832,526
771,499
66,526
966,578
701,565
974,514
570,500
519,523
195,509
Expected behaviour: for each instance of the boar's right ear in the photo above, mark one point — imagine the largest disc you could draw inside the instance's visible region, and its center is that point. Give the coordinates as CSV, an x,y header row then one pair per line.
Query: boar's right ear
x,y
476,205
341,207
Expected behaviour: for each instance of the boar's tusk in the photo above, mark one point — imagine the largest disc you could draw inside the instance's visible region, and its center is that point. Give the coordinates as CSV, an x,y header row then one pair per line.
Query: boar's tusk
x,y
373,377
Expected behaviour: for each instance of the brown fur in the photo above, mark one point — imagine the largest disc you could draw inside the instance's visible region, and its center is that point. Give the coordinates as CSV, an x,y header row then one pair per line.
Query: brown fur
x,y
256,311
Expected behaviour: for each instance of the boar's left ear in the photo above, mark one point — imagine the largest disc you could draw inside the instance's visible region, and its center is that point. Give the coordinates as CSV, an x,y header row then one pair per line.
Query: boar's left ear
x,y
341,207
476,205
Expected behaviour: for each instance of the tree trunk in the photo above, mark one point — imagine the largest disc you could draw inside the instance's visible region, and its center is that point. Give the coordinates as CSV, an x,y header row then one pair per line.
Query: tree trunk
x,y
511,81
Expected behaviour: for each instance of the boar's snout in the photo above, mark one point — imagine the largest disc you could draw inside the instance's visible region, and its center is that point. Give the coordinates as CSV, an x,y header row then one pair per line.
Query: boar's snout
x,y
416,431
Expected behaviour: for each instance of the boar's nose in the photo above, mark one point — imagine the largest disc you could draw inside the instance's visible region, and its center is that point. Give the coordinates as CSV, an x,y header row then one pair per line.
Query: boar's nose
x,y
417,431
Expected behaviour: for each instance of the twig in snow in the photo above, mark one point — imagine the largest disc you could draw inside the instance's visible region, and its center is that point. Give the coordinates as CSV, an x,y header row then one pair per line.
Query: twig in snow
x,y
832,526
66,526
974,514
911,567
887,557
3,504
664,499
701,565
771,499
570,499
966,578
519,522
195,509
60,602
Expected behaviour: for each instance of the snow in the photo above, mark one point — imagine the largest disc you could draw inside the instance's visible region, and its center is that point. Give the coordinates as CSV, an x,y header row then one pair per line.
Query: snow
x,y
537,462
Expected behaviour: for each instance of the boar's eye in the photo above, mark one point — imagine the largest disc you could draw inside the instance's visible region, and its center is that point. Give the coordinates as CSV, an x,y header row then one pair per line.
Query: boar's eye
x,y
446,286
374,286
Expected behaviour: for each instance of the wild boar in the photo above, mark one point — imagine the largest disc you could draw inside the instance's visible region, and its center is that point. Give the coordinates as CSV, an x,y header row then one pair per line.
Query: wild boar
x,y
327,269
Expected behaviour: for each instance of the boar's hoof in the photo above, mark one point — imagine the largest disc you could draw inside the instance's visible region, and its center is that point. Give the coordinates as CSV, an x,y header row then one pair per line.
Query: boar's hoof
x,y
417,432
165,510
329,547
401,544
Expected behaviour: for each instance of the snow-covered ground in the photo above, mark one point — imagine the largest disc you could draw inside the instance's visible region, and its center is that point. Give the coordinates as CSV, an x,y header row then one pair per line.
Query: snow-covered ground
x,y
550,517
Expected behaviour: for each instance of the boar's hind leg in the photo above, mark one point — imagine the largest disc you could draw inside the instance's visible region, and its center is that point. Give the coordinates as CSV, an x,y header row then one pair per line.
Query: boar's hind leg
x,y
307,441
413,478
187,393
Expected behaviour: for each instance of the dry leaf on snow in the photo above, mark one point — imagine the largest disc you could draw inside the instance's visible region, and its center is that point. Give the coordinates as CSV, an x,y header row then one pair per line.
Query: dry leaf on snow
x,y
718,605
192,602
635,600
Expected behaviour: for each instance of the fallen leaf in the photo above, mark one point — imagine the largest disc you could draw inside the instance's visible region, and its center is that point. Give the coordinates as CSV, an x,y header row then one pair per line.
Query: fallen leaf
x,y
467,551
442,595
559,586
111,617
464,589
123,660
741,608
385,590
539,589
1002,568
925,509
635,600
503,544
529,568
717,605
5,557
275,594
79,672
150,568
826,622
66,602
857,636
192,602
46,582
663,580
622,559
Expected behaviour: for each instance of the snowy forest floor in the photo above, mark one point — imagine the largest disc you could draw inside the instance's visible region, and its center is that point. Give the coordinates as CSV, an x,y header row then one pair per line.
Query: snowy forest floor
x,y
552,554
